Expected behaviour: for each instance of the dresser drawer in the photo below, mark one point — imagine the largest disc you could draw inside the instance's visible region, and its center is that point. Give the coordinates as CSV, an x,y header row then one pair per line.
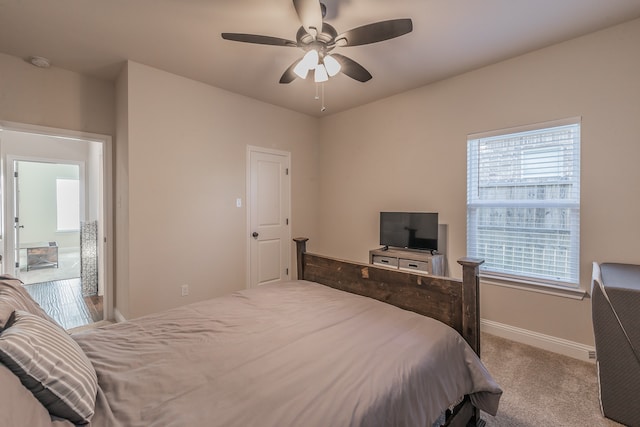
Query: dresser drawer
x,y
413,265
386,261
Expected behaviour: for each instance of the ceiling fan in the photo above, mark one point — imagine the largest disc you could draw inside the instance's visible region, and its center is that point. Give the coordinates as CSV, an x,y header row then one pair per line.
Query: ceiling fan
x,y
318,39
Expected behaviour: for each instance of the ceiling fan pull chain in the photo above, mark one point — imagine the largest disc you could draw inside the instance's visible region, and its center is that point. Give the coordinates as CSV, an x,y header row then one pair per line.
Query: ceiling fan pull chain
x,y
317,96
323,107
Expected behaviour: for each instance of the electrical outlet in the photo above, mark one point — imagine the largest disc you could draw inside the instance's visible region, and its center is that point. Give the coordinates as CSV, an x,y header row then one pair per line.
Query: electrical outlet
x,y
184,290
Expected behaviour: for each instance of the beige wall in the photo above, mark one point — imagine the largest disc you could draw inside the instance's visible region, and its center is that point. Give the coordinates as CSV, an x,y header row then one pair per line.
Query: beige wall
x,y
55,97
408,152
185,157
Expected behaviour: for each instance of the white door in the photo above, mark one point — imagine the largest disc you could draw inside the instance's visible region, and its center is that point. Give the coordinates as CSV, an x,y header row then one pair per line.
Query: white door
x,y
15,262
268,216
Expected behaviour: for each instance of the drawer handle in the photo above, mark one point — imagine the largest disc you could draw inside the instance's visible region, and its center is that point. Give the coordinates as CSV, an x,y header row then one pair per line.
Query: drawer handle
x,y
384,261
413,265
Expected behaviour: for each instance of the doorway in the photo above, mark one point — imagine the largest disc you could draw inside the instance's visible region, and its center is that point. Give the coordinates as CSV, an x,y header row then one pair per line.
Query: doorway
x,y
54,227
268,215
47,218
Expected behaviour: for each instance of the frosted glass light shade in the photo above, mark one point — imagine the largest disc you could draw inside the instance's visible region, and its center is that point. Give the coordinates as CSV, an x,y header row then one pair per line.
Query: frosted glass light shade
x,y
308,62
321,74
301,70
332,66
311,58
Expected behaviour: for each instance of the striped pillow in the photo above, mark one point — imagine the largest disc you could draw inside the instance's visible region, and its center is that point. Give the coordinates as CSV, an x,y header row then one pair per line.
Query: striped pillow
x,y
13,296
50,364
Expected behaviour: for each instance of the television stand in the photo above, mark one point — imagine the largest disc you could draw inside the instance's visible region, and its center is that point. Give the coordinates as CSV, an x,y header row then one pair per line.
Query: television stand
x,y
423,262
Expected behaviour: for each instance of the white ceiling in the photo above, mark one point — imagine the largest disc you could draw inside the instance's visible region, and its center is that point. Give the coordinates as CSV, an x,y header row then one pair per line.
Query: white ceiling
x,y
95,37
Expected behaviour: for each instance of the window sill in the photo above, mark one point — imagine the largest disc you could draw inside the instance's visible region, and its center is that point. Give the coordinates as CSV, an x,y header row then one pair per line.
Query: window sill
x,y
542,288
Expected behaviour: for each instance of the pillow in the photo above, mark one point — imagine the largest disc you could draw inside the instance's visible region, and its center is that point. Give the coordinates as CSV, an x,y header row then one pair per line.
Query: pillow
x,y
13,296
50,364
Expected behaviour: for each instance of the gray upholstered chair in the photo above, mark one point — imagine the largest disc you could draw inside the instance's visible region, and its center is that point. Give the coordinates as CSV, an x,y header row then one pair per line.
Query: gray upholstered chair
x,y
615,293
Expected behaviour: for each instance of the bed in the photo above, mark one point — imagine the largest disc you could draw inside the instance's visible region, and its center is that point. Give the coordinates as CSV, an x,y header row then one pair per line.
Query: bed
x,y
346,344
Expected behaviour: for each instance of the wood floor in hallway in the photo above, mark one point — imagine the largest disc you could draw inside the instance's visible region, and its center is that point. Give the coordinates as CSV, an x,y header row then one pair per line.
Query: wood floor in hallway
x,y
63,301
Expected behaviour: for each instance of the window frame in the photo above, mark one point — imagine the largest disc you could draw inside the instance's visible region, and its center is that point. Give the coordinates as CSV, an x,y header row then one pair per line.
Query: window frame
x,y
512,278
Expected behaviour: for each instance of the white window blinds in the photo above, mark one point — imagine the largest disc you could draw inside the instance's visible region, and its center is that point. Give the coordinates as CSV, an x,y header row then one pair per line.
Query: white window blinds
x,y
523,203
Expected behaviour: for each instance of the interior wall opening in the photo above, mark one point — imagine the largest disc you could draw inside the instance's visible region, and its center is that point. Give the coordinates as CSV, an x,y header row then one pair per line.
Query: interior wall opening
x,y
54,222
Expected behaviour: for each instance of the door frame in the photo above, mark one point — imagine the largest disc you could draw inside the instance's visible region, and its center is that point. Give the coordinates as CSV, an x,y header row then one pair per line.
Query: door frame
x,y
105,233
247,198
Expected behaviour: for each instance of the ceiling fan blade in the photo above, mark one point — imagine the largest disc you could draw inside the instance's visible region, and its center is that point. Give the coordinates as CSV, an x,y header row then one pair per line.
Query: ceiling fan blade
x,y
352,69
288,76
310,15
252,38
376,32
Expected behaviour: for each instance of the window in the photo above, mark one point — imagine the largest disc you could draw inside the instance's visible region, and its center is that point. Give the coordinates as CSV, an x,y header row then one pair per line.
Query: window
x,y
523,202
68,204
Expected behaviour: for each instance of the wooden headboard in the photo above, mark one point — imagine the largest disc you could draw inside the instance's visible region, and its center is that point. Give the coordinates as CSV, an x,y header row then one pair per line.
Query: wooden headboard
x,y
452,301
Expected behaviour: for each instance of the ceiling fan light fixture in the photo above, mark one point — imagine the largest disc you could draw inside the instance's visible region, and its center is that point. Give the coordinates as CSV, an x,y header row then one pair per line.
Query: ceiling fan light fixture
x,y
308,62
332,65
301,70
317,38
311,59
320,74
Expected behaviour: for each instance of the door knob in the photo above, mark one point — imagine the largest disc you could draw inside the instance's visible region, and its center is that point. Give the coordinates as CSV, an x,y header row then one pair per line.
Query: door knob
x,y
255,234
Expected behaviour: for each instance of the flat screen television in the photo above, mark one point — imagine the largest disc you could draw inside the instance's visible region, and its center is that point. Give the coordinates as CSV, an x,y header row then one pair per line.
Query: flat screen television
x,y
412,230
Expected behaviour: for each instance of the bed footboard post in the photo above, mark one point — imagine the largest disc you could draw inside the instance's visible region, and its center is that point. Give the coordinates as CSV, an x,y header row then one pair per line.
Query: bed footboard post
x,y
301,248
471,301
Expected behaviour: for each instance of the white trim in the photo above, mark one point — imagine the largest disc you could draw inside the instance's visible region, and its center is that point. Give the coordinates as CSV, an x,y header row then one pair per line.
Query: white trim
x,y
55,132
118,317
526,128
539,340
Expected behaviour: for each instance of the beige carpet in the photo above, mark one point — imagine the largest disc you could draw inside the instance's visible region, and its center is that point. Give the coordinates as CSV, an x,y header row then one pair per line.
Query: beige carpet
x,y
541,388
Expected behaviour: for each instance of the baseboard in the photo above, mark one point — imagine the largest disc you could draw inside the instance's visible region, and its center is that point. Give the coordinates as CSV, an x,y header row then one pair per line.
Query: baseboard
x,y
536,339
118,316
